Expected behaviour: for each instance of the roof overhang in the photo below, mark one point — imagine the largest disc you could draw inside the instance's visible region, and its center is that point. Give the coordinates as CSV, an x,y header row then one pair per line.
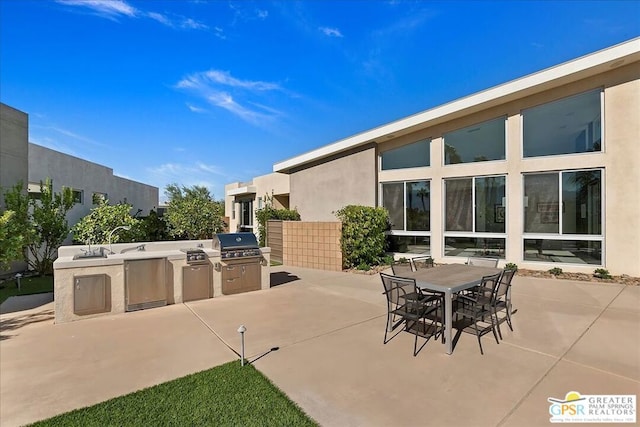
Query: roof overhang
x,y
577,69
242,191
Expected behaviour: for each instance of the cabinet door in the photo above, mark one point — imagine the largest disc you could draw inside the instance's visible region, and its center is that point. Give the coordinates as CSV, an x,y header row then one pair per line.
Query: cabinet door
x,y
251,276
90,294
196,282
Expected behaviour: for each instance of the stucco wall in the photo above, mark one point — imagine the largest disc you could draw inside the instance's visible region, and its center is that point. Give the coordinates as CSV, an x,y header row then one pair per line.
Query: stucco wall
x,y
79,174
321,189
14,148
273,184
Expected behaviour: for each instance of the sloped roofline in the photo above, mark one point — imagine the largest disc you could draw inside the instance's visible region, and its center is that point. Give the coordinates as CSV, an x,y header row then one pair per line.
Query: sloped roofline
x,y
576,69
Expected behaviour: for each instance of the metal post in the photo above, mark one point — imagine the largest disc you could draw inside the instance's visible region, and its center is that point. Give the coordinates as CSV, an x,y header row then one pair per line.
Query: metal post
x,y
18,277
242,330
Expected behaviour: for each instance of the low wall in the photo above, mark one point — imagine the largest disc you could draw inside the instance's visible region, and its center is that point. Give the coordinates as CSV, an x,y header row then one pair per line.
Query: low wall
x,y
312,245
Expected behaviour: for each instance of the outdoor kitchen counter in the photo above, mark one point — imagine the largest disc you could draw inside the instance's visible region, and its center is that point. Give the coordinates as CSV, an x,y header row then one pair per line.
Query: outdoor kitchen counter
x,y
92,287
119,258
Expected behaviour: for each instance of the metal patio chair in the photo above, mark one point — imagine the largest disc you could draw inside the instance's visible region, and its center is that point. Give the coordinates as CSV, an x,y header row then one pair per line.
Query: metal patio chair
x,y
410,307
400,267
502,299
422,262
483,262
475,307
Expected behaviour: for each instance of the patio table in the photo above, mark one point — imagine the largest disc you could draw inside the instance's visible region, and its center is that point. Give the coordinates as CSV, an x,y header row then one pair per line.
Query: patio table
x,y
450,279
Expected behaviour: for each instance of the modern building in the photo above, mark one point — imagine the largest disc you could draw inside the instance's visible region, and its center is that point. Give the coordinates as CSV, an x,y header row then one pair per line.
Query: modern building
x,y
542,171
14,149
243,199
21,161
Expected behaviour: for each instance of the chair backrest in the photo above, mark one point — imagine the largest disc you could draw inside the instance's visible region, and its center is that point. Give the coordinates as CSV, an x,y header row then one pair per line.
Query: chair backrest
x,y
488,286
399,268
483,262
395,288
422,262
505,282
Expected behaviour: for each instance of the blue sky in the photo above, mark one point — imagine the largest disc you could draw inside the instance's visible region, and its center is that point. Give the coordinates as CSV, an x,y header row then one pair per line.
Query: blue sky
x,y
212,92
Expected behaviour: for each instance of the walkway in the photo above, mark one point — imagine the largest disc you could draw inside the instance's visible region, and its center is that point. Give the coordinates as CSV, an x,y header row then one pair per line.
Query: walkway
x,y
569,336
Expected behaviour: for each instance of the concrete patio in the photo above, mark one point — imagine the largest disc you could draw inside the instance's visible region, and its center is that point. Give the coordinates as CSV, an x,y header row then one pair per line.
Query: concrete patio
x,y
569,336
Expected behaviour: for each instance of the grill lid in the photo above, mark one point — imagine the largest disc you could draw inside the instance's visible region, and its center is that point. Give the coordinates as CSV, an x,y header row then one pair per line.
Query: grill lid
x,y
230,241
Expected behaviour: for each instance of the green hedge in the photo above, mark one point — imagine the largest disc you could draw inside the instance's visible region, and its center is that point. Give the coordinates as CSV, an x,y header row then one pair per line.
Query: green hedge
x,y
363,235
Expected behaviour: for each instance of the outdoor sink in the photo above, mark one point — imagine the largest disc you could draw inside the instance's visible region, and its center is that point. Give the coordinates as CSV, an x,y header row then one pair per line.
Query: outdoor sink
x,y
96,253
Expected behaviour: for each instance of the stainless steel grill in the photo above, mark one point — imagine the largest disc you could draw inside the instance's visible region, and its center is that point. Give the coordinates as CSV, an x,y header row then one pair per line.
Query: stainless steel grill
x,y
236,245
240,262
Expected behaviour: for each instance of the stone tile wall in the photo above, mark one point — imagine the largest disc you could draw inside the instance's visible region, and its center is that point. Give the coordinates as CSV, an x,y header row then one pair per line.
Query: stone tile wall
x,y
312,244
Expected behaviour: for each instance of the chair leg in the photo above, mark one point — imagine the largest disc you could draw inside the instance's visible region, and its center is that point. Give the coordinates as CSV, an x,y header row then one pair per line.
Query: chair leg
x,y
509,320
497,322
475,326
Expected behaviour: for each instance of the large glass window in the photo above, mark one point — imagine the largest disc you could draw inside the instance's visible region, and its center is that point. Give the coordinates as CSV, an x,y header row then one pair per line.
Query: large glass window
x,y
559,205
570,125
475,216
478,143
567,201
475,204
409,206
408,156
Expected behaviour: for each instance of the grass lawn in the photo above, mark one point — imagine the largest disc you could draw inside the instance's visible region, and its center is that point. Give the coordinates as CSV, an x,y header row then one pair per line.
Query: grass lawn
x,y
28,286
227,395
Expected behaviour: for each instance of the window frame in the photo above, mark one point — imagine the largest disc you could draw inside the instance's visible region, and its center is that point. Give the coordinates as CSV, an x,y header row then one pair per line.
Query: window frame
x,y
505,122
475,234
404,232
599,89
428,142
560,235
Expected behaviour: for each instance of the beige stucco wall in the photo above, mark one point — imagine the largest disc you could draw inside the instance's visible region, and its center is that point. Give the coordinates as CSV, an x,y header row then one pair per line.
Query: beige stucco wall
x,y
273,184
620,159
14,148
321,189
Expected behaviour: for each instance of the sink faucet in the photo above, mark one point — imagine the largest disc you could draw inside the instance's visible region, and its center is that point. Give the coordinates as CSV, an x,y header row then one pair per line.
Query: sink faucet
x,y
140,247
88,250
124,227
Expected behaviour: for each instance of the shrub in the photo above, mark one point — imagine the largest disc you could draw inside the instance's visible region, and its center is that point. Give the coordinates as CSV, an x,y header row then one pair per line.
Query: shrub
x,y
556,271
363,238
364,266
511,266
387,260
602,273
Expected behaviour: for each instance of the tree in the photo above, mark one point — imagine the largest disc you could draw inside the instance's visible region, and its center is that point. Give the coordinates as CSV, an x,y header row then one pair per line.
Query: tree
x,y
11,240
43,220
192,213
103,219
155,227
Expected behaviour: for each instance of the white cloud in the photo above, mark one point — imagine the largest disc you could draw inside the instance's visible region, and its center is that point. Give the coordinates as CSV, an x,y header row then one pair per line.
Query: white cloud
x,y
192,24
216,88
116,8
160,18
262,14
331,32
195,109
105,8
